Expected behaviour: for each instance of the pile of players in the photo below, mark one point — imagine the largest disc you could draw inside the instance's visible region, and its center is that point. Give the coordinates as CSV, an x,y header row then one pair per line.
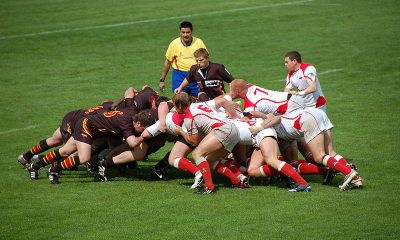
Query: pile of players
x,y
236,143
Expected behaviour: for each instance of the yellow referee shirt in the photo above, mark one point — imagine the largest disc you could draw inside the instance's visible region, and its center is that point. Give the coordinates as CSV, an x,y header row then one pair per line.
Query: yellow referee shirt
x,y
181,56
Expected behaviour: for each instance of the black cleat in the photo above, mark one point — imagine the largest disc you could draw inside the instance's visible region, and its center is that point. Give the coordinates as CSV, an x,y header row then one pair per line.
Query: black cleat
x,y
243,183
205,190
159,174
33,173
23,161
101,172
299,188
91,168
53,177
329,176
353,166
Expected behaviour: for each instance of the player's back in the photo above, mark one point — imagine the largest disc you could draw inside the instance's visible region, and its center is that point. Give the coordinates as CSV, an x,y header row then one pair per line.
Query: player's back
x,y
289,128
204,117
113,122
263,100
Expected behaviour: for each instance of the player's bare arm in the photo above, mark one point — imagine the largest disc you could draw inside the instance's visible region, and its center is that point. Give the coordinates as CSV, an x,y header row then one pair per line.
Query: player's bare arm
x,y
267,123
134,141
192,139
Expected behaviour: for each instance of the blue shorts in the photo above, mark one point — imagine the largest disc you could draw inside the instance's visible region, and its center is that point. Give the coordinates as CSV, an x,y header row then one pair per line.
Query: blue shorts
x,y
177,79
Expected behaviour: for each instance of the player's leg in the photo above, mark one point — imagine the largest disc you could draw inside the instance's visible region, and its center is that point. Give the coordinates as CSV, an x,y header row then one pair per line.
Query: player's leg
x,y
55,139
357,180
289,151
221,168
269,151
257,166
240,159
208,145
304,150
177,159
120,155
42,146
231,162
329,148
317,147
68,163
302,167
51,157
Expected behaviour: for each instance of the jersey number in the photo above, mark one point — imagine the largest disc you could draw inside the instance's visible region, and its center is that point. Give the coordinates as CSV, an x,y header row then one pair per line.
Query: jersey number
x,y
259,90
112,113
205,109
93,109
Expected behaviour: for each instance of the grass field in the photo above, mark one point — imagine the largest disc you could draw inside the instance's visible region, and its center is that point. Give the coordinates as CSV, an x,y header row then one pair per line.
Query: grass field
x,y
61,55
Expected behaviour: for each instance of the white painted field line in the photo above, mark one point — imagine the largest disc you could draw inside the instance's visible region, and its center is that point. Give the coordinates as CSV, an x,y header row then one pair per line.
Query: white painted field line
x,y
18,129
321,73
152,20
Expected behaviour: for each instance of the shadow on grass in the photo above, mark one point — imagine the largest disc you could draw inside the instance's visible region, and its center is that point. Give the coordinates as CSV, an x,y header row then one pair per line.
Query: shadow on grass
x,y
143,172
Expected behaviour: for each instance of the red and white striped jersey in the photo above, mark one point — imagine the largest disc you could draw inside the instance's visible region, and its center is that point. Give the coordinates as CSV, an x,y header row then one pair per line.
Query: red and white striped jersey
x,y
299,79
203,117
265,101
290,127
308,123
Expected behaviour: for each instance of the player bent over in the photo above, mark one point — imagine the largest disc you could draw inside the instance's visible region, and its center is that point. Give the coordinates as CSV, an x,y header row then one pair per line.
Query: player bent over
x,y
113,123
316,127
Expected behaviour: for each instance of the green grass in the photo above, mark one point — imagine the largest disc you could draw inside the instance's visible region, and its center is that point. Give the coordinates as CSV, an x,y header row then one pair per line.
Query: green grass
x,y
74,65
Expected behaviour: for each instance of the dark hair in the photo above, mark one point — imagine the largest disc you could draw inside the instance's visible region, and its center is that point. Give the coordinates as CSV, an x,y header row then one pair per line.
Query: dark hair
x,y
294,55
186,24
143,117
161,99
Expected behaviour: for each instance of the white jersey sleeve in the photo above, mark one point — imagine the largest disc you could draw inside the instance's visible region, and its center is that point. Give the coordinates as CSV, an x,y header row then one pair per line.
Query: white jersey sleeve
x,y
153,129
310,73
301,78
172,120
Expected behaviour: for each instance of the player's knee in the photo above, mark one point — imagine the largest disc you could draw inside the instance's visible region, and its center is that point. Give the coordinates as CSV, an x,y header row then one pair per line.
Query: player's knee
x,y
252,172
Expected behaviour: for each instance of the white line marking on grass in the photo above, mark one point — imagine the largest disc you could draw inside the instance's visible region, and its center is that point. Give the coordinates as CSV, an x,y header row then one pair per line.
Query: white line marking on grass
x,y
152,20
321,73
19,129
